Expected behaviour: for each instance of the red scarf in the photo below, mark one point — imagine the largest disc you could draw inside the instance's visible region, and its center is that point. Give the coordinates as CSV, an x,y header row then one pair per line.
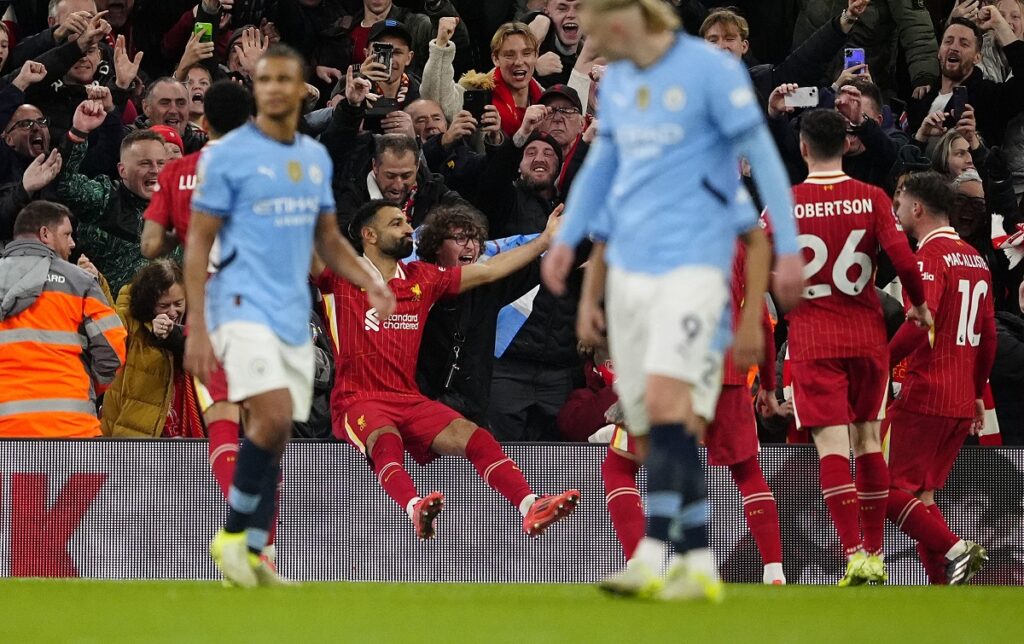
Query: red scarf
x,y
511,114
183,419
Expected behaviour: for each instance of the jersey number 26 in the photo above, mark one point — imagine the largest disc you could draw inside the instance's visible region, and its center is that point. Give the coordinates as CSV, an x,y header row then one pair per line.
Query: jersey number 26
x,y
848,257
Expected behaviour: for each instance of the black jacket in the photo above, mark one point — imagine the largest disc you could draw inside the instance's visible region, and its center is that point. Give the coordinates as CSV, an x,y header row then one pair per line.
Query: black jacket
x,y
460,166
994,103
1007,377
472,316
549,335
352,154
804,66
510,206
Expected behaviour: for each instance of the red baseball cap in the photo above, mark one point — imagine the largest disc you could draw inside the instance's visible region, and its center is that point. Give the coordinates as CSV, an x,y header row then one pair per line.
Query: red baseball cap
x,y
170,135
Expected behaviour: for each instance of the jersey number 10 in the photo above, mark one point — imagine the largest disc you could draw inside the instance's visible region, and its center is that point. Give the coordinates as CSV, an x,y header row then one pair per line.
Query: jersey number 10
x,y
848,257
970,302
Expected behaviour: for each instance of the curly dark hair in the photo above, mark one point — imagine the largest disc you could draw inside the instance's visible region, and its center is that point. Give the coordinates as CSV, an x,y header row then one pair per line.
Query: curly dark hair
x,y
442,220
149,284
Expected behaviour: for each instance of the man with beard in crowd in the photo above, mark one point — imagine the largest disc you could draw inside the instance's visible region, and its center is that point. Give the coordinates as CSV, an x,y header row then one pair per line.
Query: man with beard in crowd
x,y
959,54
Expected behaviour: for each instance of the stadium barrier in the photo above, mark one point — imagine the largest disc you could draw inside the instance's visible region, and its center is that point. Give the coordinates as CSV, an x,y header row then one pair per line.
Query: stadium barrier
x,y
146,509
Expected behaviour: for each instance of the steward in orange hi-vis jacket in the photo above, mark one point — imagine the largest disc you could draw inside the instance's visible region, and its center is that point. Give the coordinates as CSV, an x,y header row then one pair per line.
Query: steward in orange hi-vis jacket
x,y
60,344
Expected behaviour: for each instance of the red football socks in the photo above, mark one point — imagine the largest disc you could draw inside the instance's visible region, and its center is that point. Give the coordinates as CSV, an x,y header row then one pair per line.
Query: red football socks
x,y
496,468
935,561
759,508
623,499
223,446
388,458
913,518
873,494
841,498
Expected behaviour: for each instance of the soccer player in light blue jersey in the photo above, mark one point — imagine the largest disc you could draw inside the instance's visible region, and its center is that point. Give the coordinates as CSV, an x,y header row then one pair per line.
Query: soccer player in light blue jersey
x,y
661,193
264,193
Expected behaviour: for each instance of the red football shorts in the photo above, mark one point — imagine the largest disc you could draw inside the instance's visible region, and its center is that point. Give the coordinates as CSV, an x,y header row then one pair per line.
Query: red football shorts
x,y
214,390
839,391
418,419
732,437
922,448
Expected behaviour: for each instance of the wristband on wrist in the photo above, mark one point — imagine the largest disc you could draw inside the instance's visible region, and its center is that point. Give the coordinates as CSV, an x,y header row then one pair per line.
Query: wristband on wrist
x,y
77,135
846,16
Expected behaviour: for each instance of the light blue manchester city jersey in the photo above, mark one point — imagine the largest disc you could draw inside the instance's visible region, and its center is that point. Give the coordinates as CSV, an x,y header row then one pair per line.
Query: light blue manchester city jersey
x,y
269,195
662,182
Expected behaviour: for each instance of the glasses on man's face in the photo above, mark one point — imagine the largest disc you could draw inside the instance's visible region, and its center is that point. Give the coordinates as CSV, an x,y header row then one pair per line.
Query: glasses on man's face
x,y
25,124
461,238
564,111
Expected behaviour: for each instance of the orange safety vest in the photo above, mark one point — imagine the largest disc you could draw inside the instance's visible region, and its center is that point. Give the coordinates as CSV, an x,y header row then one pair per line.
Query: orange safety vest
x,y
56,351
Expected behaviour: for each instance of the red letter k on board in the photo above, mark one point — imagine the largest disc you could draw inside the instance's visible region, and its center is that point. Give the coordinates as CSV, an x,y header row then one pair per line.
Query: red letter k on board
x,y
40,536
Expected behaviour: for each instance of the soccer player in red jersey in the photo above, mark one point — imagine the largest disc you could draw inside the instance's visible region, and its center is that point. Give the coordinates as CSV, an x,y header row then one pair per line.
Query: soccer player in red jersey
x,y
940,402
837,341
731,441
376,405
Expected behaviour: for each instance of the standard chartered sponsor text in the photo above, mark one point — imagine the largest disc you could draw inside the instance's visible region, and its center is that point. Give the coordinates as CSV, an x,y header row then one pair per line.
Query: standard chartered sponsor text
x,y
402,322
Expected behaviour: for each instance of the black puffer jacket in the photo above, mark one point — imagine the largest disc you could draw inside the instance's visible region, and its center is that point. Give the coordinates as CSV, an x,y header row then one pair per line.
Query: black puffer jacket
x,y
549,334
1007,377
352,153
511,207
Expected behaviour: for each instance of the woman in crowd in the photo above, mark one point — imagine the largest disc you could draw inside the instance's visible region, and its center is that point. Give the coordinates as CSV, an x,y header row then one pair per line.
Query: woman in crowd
x,y
153,396
951,154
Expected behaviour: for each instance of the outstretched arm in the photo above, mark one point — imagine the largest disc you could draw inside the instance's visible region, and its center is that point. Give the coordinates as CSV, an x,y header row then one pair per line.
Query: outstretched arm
x,y
504,264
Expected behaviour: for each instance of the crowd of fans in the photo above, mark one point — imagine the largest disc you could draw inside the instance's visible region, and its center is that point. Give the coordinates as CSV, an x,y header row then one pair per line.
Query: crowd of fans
x,y
474,118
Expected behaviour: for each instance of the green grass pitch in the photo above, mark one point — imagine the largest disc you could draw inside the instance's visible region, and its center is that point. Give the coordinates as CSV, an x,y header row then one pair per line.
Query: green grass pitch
x,y
159,611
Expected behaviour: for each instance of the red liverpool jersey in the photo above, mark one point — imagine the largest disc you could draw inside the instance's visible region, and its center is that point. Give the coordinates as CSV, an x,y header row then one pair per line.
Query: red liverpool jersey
x,y
841,222
377,358
731,374
944,377
171,206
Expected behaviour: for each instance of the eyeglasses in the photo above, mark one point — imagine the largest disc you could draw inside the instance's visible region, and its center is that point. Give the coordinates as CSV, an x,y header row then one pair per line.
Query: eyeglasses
x,y
564,111
25,124
461,239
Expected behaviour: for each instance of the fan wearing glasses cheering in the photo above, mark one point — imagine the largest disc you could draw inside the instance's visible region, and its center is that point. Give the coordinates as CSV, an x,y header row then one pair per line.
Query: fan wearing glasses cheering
x,y
27,164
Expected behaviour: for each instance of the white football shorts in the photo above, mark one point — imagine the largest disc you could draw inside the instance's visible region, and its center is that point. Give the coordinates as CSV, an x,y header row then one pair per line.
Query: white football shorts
x,y
256,361
666,325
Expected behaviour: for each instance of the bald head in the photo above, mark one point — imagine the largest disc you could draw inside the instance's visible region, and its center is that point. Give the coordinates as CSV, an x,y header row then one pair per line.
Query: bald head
x,y
65,8
427,118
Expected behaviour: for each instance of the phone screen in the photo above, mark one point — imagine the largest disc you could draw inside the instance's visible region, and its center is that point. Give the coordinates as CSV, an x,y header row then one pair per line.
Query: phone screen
x,y
382,53
852,57
205,31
